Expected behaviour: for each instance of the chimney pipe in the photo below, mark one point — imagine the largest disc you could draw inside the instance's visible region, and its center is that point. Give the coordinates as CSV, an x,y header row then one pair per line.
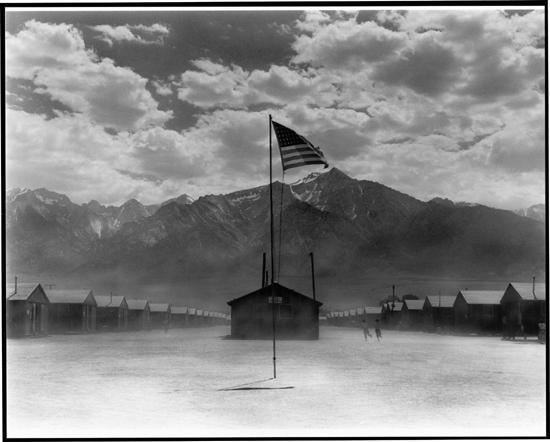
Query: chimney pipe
x,y
16,285
263,272
534,294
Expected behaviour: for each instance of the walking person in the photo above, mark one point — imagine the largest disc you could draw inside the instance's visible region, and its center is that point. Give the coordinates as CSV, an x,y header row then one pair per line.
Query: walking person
x,y
377,329
366,331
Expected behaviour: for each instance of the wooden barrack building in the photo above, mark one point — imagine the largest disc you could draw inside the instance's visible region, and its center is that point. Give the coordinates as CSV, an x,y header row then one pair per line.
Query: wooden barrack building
x,y
296,315
27,310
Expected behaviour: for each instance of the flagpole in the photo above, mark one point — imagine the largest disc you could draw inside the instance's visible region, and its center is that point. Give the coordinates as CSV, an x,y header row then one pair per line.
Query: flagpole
x,y
272,252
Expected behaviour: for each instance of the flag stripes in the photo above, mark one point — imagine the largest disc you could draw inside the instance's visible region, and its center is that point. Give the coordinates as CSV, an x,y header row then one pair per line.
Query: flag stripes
x,y
295,150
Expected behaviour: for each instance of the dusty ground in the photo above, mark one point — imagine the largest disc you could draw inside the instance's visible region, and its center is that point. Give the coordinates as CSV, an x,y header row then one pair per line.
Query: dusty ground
x,y
193,383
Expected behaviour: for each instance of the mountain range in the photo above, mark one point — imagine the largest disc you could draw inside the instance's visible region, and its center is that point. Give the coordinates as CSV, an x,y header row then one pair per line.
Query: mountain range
x,y
363,236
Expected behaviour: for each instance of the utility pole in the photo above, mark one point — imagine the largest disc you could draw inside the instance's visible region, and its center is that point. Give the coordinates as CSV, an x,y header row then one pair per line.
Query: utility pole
x,y
312,274
264,278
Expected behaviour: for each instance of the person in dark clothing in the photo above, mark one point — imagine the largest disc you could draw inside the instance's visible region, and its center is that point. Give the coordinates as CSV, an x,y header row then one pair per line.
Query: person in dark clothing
x,y
377,329
366,331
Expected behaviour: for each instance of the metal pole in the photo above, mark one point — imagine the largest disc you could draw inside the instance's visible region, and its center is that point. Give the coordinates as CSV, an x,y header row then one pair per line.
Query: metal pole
x,y
312,274
263,272
272,252
274,332
271,202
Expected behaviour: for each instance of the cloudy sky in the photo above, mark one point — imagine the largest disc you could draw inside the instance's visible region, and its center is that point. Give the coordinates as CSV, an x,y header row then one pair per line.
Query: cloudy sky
x,y
119,104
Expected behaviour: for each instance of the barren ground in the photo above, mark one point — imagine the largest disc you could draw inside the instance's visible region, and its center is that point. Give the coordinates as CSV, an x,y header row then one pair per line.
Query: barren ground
x,y
193,383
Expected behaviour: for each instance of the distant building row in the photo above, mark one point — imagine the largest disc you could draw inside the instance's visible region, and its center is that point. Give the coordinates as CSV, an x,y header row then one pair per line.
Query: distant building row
x,y
33,311
517,310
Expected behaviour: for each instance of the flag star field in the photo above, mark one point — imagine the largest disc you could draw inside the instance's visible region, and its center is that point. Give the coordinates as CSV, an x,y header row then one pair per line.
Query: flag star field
x,y
296,151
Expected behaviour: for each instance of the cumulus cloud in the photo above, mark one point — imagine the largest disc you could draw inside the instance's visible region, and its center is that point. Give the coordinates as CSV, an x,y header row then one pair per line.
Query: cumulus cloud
x,y
442,90
346,44
498,55
431,103
311,20
514,151
132,33
480,54
166,153
425,169
215,85
44,46
239,142
54,57
340,133
162,88
281,85
66,154
425,67
70,154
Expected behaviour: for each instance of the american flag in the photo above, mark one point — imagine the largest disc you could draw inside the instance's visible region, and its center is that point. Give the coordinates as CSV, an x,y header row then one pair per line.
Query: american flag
x,y
296,151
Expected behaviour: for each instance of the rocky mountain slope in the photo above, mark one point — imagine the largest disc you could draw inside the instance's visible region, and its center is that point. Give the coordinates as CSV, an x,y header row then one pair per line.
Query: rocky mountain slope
x,y
537,212
353,227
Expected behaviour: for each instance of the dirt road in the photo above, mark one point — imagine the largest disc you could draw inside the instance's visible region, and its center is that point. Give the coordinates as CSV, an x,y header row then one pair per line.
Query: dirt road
x,y
193,383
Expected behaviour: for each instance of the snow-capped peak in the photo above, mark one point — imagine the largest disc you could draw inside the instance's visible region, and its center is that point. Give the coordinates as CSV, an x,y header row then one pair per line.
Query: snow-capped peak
x,y
308,179
253,196
45,200
14,193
